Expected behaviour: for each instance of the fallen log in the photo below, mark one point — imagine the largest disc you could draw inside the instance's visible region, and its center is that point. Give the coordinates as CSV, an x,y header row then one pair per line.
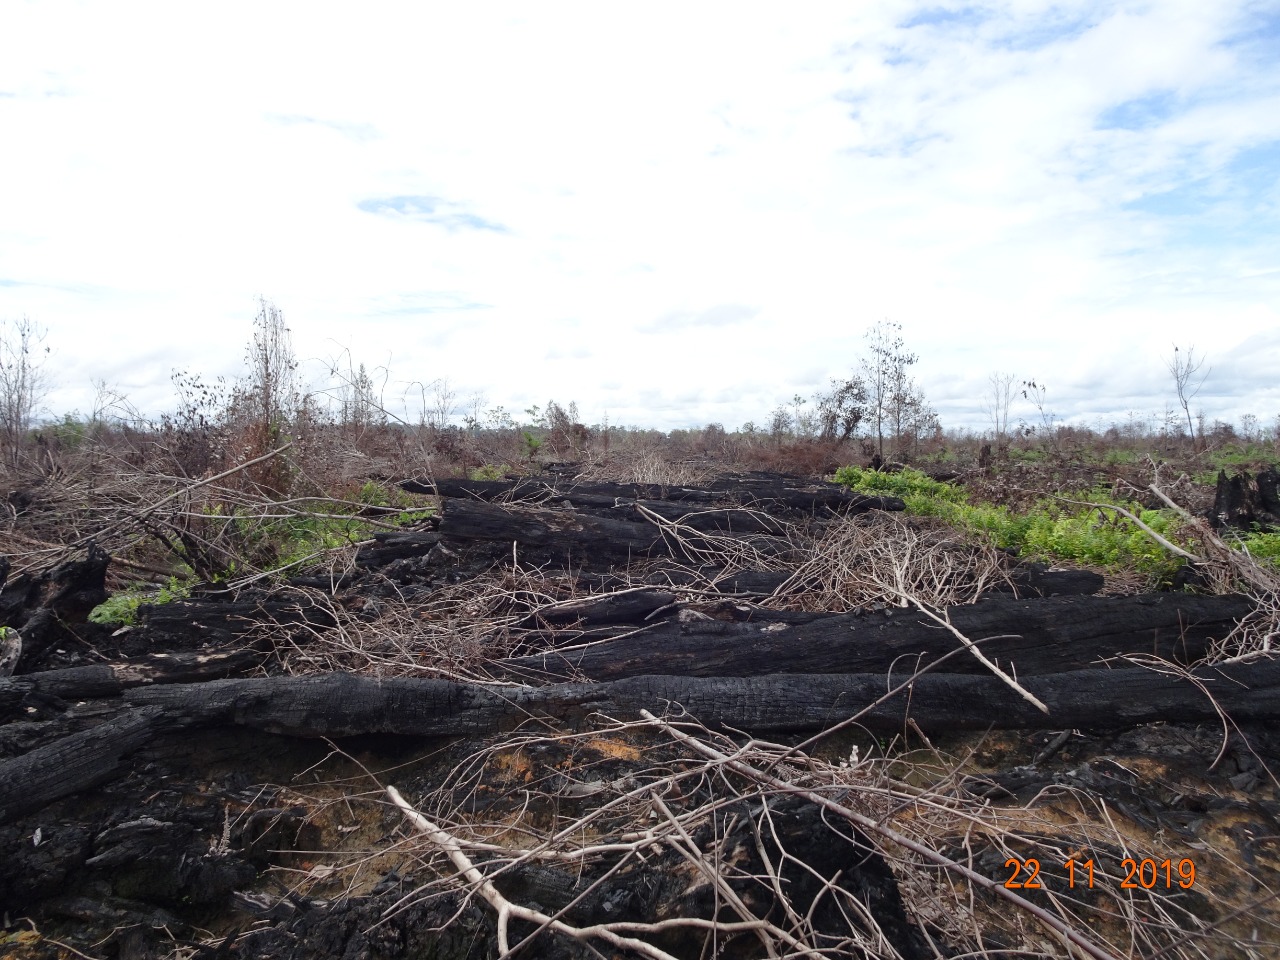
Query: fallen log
x,y
204,623
1037,636
78,762
561,532
388,547
339,705
343,705
759,491
99,680
621,606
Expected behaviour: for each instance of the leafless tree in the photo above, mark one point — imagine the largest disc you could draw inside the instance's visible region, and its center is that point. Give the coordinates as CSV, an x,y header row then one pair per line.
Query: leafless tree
x,y
270,392
444,403
801,422
23,381
889,389
475,403
999,400
1187,380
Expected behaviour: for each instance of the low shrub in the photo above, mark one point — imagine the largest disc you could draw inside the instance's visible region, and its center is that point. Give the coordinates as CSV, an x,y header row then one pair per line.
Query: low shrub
x,y
1049,530
121,609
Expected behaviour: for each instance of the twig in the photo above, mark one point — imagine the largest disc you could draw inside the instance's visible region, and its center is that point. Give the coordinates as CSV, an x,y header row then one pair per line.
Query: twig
x,y
874,826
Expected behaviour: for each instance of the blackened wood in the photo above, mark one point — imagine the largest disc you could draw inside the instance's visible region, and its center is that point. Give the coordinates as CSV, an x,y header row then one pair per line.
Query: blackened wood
x,y
525,488
1244,500
347,705
563,532
78,762
1035,636
41,605
338,705
623,606
710,519
388,547
1038,580
762,491
216,623
109,679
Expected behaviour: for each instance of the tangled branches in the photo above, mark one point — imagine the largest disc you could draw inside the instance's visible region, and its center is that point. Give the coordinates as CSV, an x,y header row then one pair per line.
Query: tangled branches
x,y
870,559
726,848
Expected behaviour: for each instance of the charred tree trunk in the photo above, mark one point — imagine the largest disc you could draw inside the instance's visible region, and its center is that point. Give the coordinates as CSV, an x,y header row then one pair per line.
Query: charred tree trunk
x,y
1036,636
343,705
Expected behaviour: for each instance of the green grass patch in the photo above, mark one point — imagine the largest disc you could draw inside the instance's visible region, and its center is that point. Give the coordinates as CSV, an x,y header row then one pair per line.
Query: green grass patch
x,y
1051,530
903,483
1261,546
121,609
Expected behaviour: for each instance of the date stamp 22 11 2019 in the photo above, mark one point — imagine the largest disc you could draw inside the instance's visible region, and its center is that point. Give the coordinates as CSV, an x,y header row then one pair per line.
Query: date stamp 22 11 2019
x,y
1145,874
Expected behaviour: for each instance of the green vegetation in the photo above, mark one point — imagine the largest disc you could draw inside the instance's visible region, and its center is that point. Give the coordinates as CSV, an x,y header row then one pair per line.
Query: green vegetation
x,y
122,609
285,540
917,489
1050,530
242,539
488,472
1260,546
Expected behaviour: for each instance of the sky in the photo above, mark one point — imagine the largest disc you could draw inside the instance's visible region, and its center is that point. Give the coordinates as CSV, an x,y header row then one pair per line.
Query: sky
x,y
671,213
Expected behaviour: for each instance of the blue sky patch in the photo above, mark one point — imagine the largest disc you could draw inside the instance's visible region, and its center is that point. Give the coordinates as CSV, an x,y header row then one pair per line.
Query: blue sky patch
x,y
1187,200
1141,113
945,17
426,209
1257,170
1043,33
1257,36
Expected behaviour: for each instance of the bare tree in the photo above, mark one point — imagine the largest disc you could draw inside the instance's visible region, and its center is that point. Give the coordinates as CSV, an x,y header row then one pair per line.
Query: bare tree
x,y
270,392
889,389
444,403
999,400
23,382
1036,393
800,421
1187,380
475,403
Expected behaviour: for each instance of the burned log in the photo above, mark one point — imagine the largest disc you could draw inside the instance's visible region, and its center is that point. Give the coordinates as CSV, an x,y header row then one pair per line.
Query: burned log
x,y
74,763
389,547
562,533
340,705
110,679
622,606
1037,636
202,623
1243,500
42,605
567,535
1039,580
761,491
343,705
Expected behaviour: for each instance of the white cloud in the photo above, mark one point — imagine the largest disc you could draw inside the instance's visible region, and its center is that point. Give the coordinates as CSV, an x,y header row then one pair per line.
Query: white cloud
x,y
530,200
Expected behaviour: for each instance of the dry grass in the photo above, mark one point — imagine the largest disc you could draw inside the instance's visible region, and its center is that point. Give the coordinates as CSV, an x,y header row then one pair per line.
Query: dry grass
x,y
880,558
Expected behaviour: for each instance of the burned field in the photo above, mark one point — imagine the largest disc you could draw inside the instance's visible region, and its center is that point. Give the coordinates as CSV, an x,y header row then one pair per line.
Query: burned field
x,y
753,717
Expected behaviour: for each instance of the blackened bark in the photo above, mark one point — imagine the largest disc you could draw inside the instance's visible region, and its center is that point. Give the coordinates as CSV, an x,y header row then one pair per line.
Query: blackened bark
x,y
1036,636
